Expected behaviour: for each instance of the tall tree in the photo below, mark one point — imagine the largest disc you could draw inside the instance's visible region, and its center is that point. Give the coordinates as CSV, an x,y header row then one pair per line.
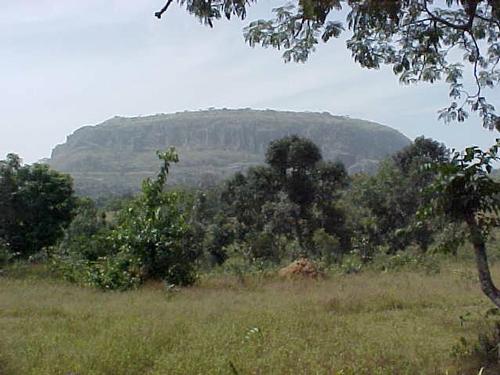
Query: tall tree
x,y
290,198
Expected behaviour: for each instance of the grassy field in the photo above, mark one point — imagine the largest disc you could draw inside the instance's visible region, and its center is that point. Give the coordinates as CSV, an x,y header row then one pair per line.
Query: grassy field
x,y
370,323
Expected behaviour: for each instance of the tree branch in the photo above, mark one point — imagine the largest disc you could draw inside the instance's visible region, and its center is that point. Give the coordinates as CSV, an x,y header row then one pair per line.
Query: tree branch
x,y
490,20
477,52
163,10
445,21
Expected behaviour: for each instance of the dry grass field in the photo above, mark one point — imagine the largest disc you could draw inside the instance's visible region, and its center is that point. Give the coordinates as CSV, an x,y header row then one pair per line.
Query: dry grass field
x,y
370,323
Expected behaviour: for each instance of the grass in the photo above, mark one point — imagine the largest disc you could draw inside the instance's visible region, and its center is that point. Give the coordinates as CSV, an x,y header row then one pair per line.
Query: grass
x,y
369,323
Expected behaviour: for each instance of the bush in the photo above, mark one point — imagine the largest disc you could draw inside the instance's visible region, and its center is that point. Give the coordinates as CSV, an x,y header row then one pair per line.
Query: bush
x,y
5,255
148,241
404,261
82,238
261,246
351,263
327,247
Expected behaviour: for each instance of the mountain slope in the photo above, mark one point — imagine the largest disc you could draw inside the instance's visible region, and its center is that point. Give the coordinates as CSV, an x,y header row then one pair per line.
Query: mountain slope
x,y
113,157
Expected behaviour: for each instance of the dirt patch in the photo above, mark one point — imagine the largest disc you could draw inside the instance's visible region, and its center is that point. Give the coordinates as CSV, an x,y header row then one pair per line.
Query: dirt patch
x,y
302,267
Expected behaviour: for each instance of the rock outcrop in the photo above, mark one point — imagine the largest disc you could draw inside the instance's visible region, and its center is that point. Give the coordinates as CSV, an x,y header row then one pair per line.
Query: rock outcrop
x,y
113,157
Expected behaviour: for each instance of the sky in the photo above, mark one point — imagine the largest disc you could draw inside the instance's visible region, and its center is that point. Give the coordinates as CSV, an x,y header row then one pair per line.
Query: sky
x,y
69,63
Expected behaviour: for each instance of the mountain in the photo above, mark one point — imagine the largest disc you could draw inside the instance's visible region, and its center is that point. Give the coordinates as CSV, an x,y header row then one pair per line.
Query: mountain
x,y
113,157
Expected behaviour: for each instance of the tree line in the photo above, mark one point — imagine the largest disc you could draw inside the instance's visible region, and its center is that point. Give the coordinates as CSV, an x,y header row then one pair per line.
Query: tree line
x,y
296,205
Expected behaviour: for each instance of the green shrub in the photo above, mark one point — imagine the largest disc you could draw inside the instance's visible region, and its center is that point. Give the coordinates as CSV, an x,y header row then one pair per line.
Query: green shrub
x,y
327,246
404,261
114,273
216,237
5,254
262,246
352,263
450,239
82,238
149,241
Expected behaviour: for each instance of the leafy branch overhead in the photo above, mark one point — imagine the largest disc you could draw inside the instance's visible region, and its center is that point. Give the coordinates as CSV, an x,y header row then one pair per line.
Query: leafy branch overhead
x,y
423,40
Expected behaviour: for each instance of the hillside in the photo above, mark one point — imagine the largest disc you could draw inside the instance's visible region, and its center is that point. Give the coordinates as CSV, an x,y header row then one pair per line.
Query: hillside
x,y
113,157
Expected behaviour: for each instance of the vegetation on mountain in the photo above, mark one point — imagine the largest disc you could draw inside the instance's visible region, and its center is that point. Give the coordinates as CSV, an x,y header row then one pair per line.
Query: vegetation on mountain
x,y
114,157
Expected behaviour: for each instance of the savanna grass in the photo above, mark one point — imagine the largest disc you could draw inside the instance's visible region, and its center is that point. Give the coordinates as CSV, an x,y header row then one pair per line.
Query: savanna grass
x,y
369,323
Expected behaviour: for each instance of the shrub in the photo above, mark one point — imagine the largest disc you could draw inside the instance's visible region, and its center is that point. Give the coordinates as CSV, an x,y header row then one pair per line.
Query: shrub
x,y
5,254
351,263
406,260
327,246
263,246
82,237
148,241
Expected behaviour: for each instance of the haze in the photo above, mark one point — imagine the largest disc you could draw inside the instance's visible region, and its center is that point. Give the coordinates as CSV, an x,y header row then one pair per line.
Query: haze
x,y
71,63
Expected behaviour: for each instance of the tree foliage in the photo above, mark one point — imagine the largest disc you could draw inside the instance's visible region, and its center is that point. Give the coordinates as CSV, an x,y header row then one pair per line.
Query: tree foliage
x,y
150,240
385,206
423,40
466,193
287,200
36,203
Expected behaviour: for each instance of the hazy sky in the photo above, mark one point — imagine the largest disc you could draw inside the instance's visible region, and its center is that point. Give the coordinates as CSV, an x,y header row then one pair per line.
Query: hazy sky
x,y
69,63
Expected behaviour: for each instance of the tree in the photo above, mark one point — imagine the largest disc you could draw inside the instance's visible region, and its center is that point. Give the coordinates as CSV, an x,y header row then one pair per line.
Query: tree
x,y
422,151
37,203
292,154
287,200
330,179
8,186
466,193
423,40
392,197
293,159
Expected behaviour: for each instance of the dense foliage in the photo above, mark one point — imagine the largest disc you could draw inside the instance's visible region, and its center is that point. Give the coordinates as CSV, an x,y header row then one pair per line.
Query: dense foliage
x,y
36,203
386,204
299,205
296,205
275,210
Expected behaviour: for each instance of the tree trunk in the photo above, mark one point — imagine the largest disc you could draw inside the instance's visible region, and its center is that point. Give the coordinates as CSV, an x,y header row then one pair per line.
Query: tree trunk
x,y
478,242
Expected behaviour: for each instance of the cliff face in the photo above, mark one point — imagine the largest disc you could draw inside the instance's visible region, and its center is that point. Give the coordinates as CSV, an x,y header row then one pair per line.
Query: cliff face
x,y
113,157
